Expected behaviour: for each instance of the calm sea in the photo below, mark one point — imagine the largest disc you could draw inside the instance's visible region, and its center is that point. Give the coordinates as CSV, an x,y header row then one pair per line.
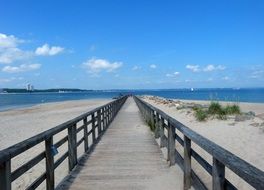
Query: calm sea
x,y
11,101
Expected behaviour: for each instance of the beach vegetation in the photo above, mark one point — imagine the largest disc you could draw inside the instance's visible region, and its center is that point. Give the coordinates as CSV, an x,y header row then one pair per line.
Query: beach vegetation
x,y
200,114
232,109
216,109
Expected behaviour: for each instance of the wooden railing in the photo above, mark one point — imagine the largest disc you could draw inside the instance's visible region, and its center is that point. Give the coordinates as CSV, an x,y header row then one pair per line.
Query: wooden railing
x,y
100,118
221,157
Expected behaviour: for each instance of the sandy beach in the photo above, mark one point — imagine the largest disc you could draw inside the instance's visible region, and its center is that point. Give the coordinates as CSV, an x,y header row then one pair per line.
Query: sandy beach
x,y
19,124
243,138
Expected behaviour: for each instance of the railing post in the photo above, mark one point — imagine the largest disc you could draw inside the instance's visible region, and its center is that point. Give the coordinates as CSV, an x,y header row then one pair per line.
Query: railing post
x,y
49,164
99,121
72,146
218,175
157,128
171,144
5,175
104,117
187,163
162,135
85,135
93,126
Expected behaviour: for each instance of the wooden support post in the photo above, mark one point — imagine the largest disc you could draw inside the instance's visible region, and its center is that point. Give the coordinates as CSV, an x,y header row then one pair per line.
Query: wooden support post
x,y
93,127
104,117
99,121
72,141
187,163
5,175
162,135
171,144
49,164
85,135
218,175
157,126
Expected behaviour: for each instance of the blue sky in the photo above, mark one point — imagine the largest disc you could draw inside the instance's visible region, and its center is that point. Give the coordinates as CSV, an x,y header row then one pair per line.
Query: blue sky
x,y
132,44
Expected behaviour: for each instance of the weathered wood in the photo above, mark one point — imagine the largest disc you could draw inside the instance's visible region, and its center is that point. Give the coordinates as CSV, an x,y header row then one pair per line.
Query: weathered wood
x,y
61,142
187,163
85,135
99,121
171,144
218,175
5,175
37,182
25,167
49,164
202,161
61,159
162,135
157,126
72,148
93,127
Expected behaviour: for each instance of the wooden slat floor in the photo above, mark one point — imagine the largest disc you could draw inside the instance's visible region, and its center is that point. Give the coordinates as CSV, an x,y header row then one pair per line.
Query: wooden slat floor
x,y
127,157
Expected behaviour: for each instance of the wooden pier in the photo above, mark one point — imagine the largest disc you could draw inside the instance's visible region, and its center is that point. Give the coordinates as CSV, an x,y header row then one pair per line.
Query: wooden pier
x,y
125,155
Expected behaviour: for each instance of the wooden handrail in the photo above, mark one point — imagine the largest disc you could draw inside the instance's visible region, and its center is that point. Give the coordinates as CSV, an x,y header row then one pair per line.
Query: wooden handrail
x,y
107,111
221,157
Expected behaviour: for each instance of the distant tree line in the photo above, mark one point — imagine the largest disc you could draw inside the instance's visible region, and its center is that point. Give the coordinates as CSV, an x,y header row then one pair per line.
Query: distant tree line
x,y
20,90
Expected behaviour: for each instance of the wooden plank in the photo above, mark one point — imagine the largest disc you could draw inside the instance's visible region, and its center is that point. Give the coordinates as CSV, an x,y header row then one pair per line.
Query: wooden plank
x,y
72,147
80,142
85,135
61,159
202,161
61,142
49,164
187,163
37,182
171,144
218,175
25,167
5,175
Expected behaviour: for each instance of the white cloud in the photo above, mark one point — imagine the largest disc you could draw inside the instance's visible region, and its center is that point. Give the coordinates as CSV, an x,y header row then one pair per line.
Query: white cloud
x,y
225,78
153,66
135,68
257,74
9,41
176,73
209,68
9,52
193,68
97,65
21,68
2,80
46,50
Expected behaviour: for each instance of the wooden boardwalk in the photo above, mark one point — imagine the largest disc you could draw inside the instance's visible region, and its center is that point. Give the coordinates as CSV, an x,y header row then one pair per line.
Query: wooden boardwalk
x,y
127,157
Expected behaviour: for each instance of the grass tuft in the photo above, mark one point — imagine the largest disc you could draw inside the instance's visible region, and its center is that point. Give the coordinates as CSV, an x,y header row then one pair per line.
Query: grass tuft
x,y
201,115
216,109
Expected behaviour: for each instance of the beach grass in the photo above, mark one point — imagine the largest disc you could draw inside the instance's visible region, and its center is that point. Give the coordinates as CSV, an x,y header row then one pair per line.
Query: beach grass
x,y
216,109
